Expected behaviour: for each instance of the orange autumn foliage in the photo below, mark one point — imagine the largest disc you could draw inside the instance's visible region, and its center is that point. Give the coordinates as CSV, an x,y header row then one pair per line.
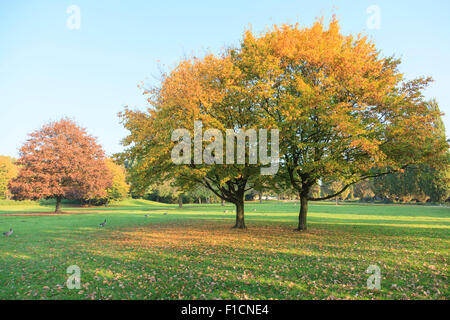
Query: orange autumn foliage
x,y
60,161
344,111
210,90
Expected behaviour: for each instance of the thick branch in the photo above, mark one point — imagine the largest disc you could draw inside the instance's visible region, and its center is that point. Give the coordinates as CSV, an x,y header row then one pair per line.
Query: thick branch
x,y
354,182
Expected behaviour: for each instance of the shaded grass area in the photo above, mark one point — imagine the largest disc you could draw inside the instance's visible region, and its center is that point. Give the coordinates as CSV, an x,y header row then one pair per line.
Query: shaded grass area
x,y
192,253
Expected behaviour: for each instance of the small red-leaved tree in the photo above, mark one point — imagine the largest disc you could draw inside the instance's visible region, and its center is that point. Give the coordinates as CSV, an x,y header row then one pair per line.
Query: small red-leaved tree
x,y
60,161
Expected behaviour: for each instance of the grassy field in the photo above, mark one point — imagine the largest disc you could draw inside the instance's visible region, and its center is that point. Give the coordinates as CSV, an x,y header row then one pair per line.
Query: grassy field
x,y
192,253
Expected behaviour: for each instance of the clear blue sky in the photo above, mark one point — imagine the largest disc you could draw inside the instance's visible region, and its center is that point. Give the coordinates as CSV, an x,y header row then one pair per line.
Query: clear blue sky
x,y
48,71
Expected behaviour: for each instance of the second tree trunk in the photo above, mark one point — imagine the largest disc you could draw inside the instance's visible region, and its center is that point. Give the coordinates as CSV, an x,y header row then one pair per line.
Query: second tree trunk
x,y
302,214
240,223
58,204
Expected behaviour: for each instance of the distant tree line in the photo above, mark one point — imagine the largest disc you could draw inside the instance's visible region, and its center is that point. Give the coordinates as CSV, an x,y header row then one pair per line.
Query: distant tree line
x,y
420,184
415,184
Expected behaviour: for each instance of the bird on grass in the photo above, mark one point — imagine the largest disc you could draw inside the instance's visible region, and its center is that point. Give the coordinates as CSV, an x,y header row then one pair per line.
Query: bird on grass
x,y
165,213
254,210
8,233
146,216
103,223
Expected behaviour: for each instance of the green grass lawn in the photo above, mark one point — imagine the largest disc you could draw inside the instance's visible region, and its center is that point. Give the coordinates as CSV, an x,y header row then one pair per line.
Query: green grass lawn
x,y
192,253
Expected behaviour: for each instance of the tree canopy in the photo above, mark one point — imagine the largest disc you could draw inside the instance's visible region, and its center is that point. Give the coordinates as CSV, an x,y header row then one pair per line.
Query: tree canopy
x,y
207,90
344,111
61,160
119,187
8,171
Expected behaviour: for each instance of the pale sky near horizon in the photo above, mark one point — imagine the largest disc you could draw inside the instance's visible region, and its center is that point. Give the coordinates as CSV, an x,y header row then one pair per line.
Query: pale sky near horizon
x,y
48,71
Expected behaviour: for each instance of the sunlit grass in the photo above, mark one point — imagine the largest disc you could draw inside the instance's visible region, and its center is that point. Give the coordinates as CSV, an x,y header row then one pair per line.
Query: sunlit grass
x,y
192,252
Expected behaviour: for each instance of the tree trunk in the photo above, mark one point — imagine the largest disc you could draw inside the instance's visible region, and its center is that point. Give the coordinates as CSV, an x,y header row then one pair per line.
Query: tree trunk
x,y
58,204
260,197
222,202
337,201
180,201
200,200
303,212
240,223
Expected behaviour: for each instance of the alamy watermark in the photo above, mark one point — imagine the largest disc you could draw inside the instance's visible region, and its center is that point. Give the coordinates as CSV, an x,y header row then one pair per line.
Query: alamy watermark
x,y
74,280
374,20
257,142
73,22
374,281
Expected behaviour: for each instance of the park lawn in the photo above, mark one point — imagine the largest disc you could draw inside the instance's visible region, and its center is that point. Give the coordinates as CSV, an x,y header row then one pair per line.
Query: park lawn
x,y
193,253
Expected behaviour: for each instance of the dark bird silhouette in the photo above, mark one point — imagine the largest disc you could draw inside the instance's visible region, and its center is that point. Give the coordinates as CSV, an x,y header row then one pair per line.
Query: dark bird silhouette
x,y
146,215
103,223
165,213
8,233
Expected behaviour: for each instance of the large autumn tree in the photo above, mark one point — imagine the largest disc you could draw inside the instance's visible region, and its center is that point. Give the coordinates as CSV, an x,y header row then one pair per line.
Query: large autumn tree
x,y
213,91
61,161
344,111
